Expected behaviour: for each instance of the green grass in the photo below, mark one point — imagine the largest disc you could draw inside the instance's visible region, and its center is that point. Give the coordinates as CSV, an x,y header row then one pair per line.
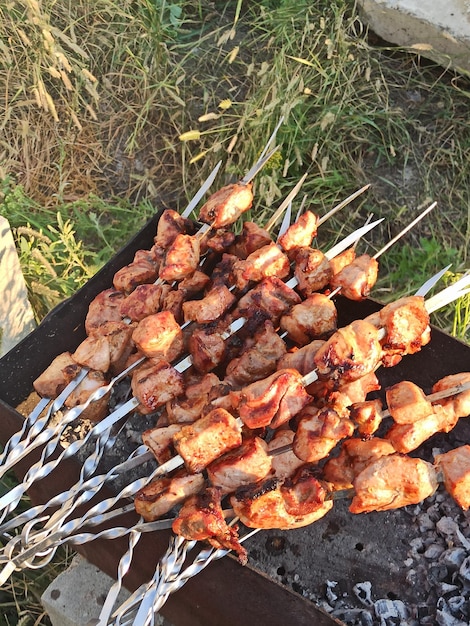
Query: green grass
x,y
98,98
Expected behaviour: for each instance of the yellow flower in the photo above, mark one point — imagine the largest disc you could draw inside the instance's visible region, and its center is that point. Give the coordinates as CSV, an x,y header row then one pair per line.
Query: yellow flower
x,y
190,135
225,104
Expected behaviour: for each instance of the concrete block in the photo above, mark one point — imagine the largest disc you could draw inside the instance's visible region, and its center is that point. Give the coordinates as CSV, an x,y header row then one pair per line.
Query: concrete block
x,y
435,29
16,314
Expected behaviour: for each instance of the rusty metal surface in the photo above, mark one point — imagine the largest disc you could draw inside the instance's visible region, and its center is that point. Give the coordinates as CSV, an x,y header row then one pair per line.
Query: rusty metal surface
x,y
335,548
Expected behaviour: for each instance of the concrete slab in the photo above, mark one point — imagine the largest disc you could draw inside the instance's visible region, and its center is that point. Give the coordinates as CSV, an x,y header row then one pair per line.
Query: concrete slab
x,y
16,314
437,30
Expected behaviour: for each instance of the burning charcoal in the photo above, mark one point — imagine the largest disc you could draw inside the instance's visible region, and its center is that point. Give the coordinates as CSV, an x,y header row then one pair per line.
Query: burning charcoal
x,y
424,522
417,545
389,610
433,551
332,597
353,617
437,573
453,558
362,591
444,619
464,571
445,588
446,526
456,604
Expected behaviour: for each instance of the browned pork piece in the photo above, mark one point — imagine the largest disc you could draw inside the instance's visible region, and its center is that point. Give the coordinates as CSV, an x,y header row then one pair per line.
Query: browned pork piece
x,y
459,403
302,359
207,348
159,336
356,279
300,234
159,440
286,463
318,432
258,358
313,318
242,466
405,323
105,307
226,205
391,482
213,305
455,468
262,263
341,260
312,270
223,273
143,269
169,226
57,376
220,240
350,353
351,393
408,437
201,518
271,297
250,239
97,409
292,503
181,258
161,495
154,383
271,401
195,283
188,408
107,346
143,301
367,416
355,455
207,438
407,403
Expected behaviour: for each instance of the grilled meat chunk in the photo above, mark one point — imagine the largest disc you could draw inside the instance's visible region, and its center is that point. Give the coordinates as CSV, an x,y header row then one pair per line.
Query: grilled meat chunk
x,y
159,440
181,258
105,307
367,416
250,239
220,241
207,348
408,437
318,433
407,403
262,263
108,345
195,283
312,270
206,439
143,269
169,226
213,306
242,466
154,383
57,376
302,359
159,336
341,260
285,463
300,234
459,403
271,296
455,467
226,205
313,318
188,408
97,409
356,279
161,495
201,518
391,482
142,302
271,401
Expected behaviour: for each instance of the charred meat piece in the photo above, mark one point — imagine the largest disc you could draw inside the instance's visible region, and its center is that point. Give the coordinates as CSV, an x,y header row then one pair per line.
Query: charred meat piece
x,y
188,408
318,434
97,409
159,336
105,307
273,400
57,376
459,403
223,273
407,403
154,383
271,296
367,416
161,495
142,302
206,439
262,263
408,437
181,258
351,352
108,345
213,306
357,279
258,358
355,455
220,241
314,318
300,234
391,482
285,463
207,348
201,518
226,205
244,465
302,359
250,239
169,226
455,467
159,440
312,270
274,504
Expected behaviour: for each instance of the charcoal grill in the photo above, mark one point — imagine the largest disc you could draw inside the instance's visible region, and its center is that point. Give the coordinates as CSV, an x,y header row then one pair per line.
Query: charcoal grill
x,y
285,568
